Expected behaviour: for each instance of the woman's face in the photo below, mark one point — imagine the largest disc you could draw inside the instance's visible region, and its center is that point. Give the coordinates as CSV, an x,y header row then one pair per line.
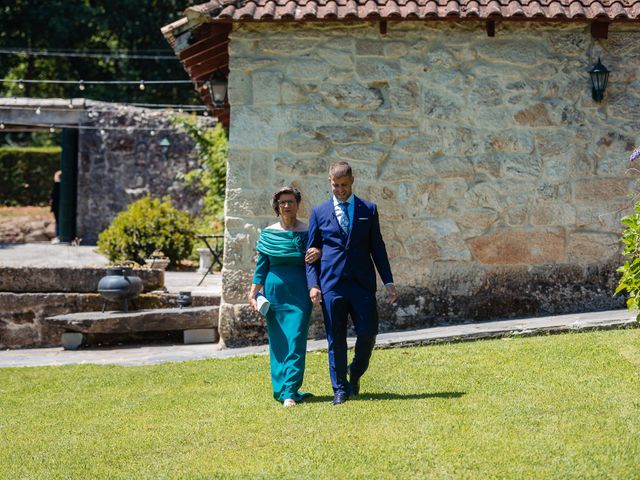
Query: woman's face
x,y
287,205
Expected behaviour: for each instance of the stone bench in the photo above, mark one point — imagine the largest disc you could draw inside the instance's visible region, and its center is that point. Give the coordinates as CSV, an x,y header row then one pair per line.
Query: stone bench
x,y
199,324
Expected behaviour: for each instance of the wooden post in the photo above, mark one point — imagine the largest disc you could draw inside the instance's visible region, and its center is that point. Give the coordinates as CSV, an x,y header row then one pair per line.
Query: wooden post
x,y
68,185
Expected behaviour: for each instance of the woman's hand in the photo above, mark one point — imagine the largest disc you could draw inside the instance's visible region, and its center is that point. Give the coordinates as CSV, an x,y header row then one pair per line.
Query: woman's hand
x,y
253,303
251,298
312,255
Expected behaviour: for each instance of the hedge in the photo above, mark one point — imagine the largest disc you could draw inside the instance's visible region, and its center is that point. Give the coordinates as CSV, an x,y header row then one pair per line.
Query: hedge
x,y
26,174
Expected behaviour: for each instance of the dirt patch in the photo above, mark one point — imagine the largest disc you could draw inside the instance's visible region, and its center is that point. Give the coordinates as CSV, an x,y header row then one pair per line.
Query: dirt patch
x,y
26,224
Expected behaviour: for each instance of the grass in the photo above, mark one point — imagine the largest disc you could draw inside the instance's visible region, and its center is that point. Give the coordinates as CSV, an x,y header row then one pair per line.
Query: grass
x,y
563,406
27,213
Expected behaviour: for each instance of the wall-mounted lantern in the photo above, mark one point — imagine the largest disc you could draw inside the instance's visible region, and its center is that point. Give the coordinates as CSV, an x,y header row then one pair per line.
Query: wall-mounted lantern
x,y
165,144
599,78
217,86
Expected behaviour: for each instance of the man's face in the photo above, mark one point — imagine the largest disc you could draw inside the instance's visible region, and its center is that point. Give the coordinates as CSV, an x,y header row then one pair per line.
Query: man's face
x,y
342,187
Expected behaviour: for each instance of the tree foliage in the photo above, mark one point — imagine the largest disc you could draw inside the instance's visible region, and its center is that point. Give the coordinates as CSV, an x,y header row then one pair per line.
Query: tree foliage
x,y
209,178
79,25
26,174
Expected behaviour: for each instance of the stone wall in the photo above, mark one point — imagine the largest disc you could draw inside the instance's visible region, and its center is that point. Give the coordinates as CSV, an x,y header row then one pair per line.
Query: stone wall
x,y
117,166
500,182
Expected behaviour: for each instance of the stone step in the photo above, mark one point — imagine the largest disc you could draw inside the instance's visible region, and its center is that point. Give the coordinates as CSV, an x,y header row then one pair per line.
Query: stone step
x,y
22,315
199,324
68,279
158,319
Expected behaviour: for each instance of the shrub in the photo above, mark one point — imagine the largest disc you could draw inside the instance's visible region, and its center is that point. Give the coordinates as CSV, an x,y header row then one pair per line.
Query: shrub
x,y
26,174
630,280
148,224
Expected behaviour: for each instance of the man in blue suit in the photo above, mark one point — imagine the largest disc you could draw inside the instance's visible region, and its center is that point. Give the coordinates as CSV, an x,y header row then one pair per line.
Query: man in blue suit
x,y
347,229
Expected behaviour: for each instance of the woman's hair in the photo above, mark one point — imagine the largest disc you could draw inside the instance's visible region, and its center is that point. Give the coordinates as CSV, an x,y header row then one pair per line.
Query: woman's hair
x,y
284,190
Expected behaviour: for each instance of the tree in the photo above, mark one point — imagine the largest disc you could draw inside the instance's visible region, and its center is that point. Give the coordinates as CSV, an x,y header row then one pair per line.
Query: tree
x,y
210,176
77,25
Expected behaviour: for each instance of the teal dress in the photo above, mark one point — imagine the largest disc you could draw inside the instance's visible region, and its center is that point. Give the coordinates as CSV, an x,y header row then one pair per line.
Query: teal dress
x,y
280,268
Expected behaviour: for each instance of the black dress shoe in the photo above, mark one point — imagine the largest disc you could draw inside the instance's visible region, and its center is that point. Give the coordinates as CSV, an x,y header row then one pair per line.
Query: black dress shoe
x,y
339,398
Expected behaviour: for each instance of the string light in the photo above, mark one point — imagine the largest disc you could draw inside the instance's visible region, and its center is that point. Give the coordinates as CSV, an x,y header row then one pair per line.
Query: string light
x,y
81,85
38,111
1,126
141,87
51,129
105,129
104,54
154,106
96,82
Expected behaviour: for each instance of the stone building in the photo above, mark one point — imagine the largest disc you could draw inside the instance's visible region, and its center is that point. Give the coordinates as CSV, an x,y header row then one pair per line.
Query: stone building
x,y
500,180
112,155
126,160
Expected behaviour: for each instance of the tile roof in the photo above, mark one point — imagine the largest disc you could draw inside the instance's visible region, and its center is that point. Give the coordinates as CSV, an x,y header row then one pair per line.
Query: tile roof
x,y
310,10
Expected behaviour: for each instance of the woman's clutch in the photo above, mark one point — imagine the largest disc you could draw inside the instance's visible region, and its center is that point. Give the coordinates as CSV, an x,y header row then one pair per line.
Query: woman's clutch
x,y
263,304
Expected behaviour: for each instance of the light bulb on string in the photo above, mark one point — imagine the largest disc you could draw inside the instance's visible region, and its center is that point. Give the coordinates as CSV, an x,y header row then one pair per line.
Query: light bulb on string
x,y
38,111
102,131
152,132
141,86
70,103
81,85
1,126
20,84
206,113
51,129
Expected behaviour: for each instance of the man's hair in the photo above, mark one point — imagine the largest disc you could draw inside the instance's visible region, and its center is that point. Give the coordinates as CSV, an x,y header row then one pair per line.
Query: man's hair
x,y
340,169
284,190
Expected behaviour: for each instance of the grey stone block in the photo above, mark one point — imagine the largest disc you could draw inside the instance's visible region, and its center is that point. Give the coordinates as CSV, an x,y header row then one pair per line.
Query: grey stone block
x,y
67,279
200,335
72,341
153,320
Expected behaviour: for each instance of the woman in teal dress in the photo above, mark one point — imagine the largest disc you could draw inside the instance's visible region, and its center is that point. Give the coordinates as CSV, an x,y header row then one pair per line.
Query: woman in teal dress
x,y
280,271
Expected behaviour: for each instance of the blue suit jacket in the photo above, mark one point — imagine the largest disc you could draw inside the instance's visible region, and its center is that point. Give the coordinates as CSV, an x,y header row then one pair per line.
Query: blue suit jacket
x,y
352,256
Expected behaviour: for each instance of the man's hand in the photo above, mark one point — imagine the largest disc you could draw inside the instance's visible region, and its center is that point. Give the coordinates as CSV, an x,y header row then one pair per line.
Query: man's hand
x,y
392,294
312,255
316,295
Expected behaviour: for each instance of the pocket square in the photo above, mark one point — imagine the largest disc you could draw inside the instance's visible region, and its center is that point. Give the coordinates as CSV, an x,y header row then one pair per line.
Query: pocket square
x,y
363,218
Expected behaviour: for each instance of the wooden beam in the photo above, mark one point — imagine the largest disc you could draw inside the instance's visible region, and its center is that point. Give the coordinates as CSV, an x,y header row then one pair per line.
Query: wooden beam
x,y
491,28
599,30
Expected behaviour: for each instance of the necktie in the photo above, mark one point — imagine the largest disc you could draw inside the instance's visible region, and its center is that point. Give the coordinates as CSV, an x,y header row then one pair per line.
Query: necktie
x,y
344,219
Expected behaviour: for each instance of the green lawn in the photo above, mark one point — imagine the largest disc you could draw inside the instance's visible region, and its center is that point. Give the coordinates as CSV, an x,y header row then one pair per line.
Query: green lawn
x,y
565,406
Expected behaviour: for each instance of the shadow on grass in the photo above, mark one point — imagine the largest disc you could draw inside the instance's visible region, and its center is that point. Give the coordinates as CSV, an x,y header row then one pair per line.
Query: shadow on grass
x,y
389,396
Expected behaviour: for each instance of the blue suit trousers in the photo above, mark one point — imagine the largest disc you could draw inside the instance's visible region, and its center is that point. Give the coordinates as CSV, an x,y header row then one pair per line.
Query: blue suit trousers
x,y
349,298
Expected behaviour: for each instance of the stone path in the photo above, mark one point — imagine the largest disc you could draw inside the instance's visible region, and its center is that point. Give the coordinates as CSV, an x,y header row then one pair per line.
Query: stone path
x,y
149,355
